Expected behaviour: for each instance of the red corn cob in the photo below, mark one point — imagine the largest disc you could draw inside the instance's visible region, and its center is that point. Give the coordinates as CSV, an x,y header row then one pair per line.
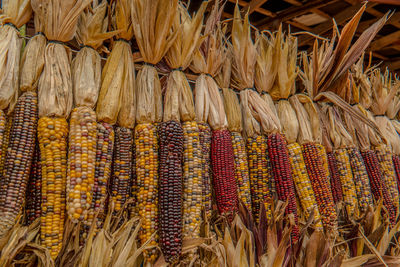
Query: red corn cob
x,y
336,186
223,166
282,171
170,189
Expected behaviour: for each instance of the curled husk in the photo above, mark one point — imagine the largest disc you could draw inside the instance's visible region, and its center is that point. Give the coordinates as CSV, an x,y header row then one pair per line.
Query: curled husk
x,y
305,134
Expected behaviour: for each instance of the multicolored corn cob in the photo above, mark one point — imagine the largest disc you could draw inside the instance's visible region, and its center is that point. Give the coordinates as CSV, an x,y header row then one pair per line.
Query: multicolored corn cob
x,y
170,189
146,146
280,163
361,181
5,129
223,166
324,158
241,169
81,163
385,160
34,192
319,182
52,135
122,167
396,164
302,184
205,143
18,161
378,187
261,176
133,207
336,185
347,181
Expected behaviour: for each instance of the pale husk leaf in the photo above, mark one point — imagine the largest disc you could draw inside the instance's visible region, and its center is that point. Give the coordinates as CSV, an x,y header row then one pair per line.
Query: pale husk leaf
x,y
305,134
339,135
217,118
384,91
267,57
17,12
389,132
289,122
361,130
202,99
312,111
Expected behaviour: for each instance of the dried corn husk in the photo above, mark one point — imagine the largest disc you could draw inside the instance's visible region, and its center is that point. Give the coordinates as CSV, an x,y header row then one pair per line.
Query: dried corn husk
x,y
55,85
305,134
178,99
14,14
86,66
116,99
362,89
338,133
152,22
32,61
267,59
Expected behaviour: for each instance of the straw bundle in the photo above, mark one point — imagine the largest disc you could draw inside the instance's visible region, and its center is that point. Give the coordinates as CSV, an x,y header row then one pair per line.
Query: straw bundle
x,y
153,42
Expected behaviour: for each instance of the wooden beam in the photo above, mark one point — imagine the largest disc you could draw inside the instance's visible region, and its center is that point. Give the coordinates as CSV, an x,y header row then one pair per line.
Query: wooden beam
x,y
299,25
259,9
293,2
293,12
321,13
385,41
254,5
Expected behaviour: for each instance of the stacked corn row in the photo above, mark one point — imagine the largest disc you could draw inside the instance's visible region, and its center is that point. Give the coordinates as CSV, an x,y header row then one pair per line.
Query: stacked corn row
x,y
396,164
241,169
302,183
81,163
260,173
320,185
34,192
378,187
388,173
347,181
147,193
170,188
336,185
19,159
361,181
205,143
121,168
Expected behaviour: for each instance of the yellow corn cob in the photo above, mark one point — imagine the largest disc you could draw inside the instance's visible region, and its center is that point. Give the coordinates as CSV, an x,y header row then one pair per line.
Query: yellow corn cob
x,y
324,159
241,169
303,184
192,179
81,163
147,184
387,168
52,135
346,179
5,129
260,176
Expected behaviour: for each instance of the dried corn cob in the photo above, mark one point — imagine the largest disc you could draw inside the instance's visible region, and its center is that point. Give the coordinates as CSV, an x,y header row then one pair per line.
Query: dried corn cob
x,y
388,175
320,185
81,163
223,166
361,181
52,135
346,179
170,191
241,169
396,164
192,179
147,184
336,185
19,158
34,192
205,143
133,207
122,167
378,187
302,183
260,175
280,163
104,154
5,129
324,158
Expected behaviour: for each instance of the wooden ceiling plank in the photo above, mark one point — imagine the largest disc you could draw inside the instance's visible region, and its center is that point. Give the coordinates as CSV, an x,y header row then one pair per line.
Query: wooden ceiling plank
x,y
321,13
254,5
259,9
385,41
299,25
293,2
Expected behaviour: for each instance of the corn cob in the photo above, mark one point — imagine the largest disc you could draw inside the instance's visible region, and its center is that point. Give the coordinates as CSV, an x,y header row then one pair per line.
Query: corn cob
x,y
280,163
81,163
388,175
147,184
19,158
336,185
205,143
361,181
241,169
5,129
192,179
223,166
170,189
396,164
34,192
324,158
260,176
346,179
378,187
319,182
122,167
52,135
104,154
302,184
133,209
